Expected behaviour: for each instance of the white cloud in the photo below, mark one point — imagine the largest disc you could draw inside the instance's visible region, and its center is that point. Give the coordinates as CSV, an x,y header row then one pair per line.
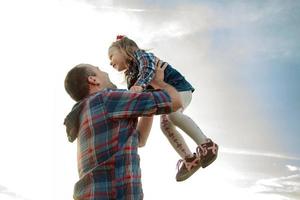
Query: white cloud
x,y
6,194
286,186
257,153
111,8
159,23
293,168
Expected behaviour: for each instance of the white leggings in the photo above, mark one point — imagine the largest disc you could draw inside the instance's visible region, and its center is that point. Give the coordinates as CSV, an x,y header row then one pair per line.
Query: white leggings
x,y
185,123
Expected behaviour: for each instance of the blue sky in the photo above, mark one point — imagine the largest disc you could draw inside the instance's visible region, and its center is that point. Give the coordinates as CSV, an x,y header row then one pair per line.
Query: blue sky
x,y
271,70
241,56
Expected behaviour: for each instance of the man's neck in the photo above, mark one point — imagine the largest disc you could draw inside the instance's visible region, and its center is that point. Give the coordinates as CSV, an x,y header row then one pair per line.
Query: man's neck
x,y
98,88
95,89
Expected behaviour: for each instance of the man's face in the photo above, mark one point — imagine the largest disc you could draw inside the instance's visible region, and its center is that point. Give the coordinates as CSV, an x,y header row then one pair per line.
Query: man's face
x,y
102,78
117,59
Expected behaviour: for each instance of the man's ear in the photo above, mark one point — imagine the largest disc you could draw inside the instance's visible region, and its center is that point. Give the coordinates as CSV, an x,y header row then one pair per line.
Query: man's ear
x,y
92,80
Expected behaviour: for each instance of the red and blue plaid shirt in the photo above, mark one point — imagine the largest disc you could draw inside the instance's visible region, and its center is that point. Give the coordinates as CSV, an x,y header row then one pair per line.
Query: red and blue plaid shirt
x,y
146,67
108,160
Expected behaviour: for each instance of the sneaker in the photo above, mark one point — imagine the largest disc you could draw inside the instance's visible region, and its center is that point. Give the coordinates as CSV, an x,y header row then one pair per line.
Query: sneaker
x,y
207,152
187,167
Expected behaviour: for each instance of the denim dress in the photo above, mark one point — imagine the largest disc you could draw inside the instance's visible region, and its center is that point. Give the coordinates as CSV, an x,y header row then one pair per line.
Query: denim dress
x,y
145,72
177,80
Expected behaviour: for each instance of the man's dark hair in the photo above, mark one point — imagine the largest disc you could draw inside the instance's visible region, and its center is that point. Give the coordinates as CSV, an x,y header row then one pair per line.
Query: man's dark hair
x,y
76,81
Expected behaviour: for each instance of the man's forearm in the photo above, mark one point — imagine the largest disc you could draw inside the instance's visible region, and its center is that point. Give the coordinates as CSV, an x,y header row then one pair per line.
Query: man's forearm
x,y
175,97
144,128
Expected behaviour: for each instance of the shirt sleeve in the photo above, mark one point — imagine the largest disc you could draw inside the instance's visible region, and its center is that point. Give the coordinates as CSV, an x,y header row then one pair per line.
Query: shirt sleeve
x,y
126,104
146,69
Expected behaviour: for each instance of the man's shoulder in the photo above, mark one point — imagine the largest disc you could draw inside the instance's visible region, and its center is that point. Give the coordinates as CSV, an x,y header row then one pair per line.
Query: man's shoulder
x,y
109,91
110,94
102,94
113,90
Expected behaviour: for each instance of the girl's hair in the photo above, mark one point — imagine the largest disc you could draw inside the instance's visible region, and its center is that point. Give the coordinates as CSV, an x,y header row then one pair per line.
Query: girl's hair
x,y
127,47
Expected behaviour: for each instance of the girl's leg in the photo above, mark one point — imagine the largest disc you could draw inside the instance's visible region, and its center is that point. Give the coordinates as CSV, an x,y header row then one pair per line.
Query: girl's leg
x,y
206,152
185,123
174,137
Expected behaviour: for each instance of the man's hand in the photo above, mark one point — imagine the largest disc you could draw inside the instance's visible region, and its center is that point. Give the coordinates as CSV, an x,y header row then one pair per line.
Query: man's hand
x,y
136,88
158,83
159,72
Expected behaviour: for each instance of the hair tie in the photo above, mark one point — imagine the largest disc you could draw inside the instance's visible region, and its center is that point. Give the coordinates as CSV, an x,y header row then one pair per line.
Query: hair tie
x,y
120,37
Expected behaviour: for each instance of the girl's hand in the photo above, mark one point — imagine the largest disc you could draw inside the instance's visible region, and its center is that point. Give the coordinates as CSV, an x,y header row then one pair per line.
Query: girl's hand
x,y
136,88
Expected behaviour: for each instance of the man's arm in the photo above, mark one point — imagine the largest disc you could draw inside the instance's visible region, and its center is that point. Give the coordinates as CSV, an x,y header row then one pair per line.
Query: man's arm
x,y
120,104
158,83
175,98
144,128
124,104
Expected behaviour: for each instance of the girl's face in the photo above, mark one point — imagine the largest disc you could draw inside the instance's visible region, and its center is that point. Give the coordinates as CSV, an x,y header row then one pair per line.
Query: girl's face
x,y
117,59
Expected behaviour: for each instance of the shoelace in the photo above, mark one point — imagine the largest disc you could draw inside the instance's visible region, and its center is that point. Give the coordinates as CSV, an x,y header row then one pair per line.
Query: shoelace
x,y
188,165
213,148
203,149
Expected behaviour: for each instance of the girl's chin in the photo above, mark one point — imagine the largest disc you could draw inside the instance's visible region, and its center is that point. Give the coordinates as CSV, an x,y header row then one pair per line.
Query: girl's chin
x,y
121,70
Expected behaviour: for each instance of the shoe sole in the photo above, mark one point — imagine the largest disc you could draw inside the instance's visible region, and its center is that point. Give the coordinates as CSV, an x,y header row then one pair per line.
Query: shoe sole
x,y
211,161
183,178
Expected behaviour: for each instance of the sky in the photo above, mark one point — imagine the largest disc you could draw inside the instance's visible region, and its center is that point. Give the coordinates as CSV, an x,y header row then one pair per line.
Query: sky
x,y
243,58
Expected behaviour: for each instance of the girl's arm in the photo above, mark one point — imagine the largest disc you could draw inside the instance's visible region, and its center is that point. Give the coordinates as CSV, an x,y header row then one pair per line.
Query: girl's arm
x,y
146,68
144,127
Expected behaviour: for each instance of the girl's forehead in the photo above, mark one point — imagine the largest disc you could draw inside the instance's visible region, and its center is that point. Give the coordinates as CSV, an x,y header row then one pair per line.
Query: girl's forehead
x,y
113,50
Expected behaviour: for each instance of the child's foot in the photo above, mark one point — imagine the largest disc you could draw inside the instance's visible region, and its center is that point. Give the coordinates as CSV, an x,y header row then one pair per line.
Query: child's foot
x,y
207,152
187,167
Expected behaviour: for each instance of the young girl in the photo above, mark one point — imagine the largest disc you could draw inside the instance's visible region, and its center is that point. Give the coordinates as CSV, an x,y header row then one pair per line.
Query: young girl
x,y
139,67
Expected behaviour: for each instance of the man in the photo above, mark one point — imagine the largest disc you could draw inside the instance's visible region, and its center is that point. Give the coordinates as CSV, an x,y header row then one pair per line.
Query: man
x,y
105,123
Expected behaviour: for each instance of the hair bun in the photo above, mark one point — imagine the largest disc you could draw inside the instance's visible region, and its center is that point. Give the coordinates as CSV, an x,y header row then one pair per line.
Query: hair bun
x,y
120,37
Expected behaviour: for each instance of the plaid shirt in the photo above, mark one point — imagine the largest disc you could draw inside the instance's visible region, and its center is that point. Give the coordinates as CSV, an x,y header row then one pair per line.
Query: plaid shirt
x,y
108,161
146,65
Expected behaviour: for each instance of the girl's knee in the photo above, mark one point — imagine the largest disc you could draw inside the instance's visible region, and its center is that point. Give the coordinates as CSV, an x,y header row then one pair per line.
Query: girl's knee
x,y
174,118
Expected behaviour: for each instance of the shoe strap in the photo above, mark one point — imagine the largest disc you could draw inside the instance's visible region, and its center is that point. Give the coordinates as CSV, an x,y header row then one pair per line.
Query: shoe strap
x,y
179,163
202,149
213,148
188,165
